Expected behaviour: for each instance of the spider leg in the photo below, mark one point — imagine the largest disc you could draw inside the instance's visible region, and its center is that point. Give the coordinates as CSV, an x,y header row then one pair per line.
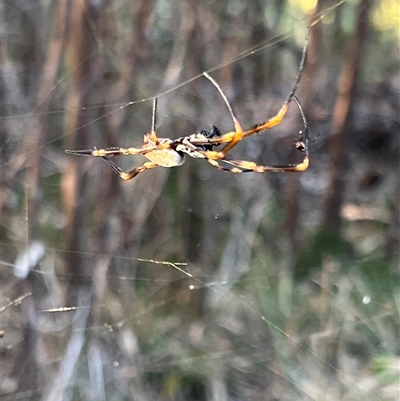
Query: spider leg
x,y
115,151
251,166
109,152
232,138
302,145
301,66
235,170
277,119
131,173
153,136
243,166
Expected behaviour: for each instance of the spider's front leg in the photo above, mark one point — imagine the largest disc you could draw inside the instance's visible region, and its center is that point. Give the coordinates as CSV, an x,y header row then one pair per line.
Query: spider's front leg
x,y
277,119
232,138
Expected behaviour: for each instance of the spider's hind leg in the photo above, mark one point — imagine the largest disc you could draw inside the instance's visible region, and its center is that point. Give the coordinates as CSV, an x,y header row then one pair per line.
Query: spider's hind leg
x,y
107,152
131,173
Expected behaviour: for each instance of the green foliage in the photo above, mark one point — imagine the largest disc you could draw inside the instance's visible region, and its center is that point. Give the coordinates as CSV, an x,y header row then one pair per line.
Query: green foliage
x,y
317,248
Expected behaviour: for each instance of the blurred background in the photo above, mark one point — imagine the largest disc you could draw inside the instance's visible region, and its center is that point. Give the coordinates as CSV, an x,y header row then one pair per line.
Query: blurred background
x,y
192,283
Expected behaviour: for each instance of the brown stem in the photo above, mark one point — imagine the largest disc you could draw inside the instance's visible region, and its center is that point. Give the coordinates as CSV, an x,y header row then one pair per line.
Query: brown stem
x,y
341,119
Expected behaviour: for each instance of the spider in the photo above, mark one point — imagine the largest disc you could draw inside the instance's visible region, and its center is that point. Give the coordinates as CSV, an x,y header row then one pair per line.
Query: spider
x,y
166,152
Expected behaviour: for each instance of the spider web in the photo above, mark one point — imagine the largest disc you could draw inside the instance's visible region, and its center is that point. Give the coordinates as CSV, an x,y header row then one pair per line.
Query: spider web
x,y
186,283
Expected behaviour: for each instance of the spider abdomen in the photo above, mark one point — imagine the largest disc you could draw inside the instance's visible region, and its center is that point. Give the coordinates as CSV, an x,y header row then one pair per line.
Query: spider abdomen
x,y
166,157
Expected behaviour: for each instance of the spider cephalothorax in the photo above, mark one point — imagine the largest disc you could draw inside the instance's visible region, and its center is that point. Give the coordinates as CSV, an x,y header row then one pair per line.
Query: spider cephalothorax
x,y
214,133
